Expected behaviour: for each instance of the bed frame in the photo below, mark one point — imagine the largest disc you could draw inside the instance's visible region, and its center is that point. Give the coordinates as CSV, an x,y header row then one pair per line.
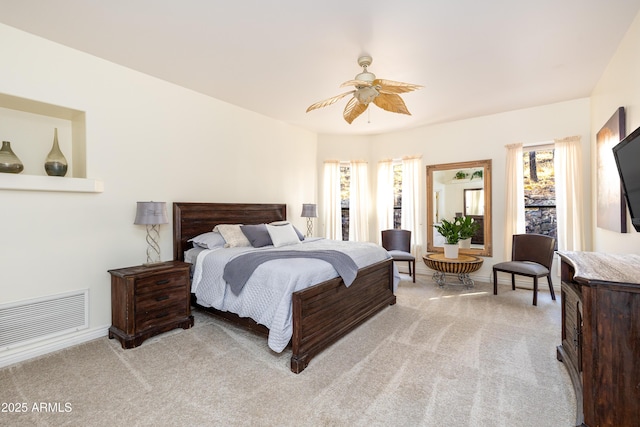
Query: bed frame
x,y
323,313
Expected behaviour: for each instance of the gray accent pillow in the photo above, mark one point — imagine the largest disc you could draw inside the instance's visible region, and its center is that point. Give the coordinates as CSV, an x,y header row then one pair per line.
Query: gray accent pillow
x,y
257,234
209,240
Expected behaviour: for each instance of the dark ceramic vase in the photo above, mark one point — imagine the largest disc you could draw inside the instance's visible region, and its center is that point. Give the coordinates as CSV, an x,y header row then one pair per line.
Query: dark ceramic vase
x,y
9,162
56,163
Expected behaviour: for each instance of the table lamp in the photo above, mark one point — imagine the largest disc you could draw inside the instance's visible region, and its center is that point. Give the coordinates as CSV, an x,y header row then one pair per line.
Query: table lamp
x,y
309,210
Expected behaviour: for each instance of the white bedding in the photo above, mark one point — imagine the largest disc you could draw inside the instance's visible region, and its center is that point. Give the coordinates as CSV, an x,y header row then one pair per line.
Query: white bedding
x,y
266,297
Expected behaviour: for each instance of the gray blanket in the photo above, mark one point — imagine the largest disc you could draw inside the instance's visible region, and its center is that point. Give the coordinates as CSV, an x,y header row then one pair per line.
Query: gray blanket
x,y
238,270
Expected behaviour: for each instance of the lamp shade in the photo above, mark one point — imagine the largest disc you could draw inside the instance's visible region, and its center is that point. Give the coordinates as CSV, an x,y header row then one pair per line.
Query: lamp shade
x,y
309,210
151,213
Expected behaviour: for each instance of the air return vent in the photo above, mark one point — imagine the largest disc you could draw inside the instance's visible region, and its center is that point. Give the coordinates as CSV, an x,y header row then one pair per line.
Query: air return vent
x,y
28,321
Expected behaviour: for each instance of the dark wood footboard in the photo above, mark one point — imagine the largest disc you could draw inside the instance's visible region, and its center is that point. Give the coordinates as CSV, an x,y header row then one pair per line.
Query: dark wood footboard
x,y
326,312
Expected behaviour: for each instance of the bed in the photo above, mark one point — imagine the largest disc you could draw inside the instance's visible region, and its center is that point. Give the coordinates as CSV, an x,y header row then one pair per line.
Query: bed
x,y
321,314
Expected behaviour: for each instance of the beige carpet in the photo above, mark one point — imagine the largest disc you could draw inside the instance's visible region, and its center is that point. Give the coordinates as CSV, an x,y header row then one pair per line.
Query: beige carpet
x,y
439,357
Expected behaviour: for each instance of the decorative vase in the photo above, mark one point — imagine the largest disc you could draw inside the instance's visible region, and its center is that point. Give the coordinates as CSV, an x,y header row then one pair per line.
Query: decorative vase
x,y
9,162
56,163
451,250
465,243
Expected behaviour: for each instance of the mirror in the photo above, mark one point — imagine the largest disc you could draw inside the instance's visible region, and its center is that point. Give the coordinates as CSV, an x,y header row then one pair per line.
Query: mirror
x,y
456,189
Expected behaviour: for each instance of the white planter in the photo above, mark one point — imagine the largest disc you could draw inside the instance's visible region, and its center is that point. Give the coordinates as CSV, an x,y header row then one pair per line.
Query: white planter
x,y
451,250
465,244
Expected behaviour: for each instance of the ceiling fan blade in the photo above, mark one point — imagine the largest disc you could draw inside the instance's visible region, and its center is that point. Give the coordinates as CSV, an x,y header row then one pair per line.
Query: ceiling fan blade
x,y
391,102
329,101
353,110
356,83
389,86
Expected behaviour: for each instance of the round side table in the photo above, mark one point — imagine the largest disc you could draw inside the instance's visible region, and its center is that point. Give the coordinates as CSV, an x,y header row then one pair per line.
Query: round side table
x,y
461,266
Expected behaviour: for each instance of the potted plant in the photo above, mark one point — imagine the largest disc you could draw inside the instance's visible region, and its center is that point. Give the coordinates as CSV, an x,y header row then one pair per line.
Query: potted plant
x,y
450,230
461,175
468,228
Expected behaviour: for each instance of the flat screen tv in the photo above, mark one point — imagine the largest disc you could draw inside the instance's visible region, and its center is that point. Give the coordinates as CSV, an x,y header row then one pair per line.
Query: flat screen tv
x,y
627,155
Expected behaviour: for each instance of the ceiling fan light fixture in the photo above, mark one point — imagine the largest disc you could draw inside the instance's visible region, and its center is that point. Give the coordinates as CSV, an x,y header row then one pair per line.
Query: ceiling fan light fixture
x,y
366,95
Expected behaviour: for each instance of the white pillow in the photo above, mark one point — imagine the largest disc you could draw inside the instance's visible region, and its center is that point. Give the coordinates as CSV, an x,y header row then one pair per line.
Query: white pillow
x,y
283,235
300,235
233,235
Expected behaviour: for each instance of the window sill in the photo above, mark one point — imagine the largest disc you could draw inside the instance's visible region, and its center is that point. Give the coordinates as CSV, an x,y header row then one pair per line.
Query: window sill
x,y
49,183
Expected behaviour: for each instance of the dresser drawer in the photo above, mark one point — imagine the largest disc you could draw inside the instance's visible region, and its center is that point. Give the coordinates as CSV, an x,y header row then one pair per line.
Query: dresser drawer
x,y
160,282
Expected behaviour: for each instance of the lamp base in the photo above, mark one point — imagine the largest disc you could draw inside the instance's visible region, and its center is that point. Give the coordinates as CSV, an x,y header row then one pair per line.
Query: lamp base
x,y
153,248
309,227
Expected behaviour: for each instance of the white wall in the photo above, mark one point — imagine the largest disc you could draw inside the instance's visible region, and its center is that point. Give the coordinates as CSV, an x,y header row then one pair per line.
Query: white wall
x,y
478,138
147,140
619,86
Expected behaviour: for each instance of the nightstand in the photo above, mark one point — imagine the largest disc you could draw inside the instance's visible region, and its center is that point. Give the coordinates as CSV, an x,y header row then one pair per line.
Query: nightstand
x,y
147,300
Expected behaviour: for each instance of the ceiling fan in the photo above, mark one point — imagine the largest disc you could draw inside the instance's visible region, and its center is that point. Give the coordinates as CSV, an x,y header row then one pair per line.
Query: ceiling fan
x,y
383,93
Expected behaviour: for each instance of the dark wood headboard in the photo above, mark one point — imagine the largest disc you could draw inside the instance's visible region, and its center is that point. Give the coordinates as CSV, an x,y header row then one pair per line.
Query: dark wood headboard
x,y
192,219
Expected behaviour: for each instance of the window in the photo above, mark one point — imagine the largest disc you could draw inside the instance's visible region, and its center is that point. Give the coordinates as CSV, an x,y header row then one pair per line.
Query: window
x,y
345,183
540,191
354,195
397,194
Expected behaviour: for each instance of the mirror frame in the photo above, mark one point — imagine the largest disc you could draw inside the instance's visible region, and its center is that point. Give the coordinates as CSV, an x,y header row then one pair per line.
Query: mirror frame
x,y
488,237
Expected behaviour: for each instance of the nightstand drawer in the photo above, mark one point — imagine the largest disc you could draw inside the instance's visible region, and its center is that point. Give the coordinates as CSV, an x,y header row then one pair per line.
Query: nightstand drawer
x,y
160,298
160,282
159,315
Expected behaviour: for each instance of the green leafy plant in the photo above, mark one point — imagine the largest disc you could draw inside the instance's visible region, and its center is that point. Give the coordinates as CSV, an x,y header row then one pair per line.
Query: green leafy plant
x,y
449,230
477,174
461,175
467,227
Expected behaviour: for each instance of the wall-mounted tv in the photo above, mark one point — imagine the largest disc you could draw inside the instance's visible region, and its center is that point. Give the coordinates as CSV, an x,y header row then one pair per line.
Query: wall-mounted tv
x,y
627,155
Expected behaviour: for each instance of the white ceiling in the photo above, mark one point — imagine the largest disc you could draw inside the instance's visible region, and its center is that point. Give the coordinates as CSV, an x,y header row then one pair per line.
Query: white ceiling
x,y
277,57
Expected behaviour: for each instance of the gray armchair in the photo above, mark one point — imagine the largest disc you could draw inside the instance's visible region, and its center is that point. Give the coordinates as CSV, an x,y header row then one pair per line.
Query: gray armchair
x,y
531,256
398,244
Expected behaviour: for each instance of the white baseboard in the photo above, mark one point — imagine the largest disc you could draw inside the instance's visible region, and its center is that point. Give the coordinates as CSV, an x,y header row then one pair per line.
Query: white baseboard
x,y
10,357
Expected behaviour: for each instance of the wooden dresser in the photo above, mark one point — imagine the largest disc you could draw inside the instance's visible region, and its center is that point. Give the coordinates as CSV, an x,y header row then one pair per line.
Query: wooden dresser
x,y
149,299
601,336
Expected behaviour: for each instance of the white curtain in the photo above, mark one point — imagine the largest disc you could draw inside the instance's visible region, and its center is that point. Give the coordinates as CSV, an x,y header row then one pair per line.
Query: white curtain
x,y
384,198
569,193
331,202
514,198
411,218
474,202
359,202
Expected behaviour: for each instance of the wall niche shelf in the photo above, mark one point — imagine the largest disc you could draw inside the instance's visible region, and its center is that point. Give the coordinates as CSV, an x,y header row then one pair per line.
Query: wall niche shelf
x,y
29,125
10,181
